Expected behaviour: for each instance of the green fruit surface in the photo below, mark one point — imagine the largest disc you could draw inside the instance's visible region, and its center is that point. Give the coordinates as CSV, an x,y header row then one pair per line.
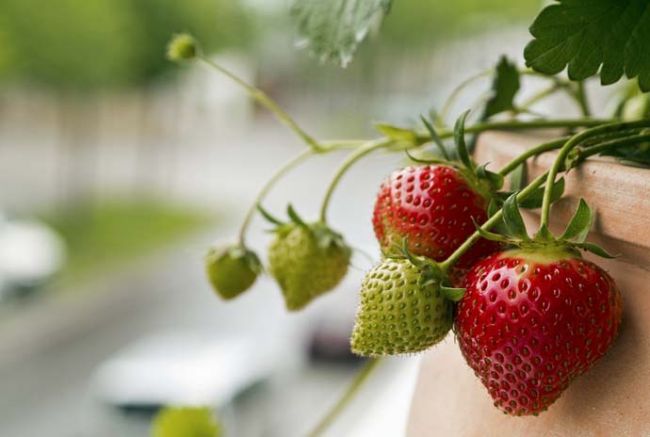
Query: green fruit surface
x,y
303,268
231,272
397,315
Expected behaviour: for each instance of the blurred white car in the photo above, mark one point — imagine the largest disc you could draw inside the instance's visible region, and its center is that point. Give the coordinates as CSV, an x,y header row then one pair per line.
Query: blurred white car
x,y
181,369
30,254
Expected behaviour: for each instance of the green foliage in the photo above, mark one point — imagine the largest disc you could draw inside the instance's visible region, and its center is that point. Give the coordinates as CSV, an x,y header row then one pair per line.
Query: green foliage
x,y
504,88
103,235
608,37
185,422
333,29
77,43
90,44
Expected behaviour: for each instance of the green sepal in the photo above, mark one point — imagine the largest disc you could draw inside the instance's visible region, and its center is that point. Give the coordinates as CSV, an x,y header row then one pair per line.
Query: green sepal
x,y
453,294
580,224
536,199
495,179
544,234
326,237
435,138
492,236
397,133
513,220
595,249
494,206
518,177
293,215
461,145
425,161
268,216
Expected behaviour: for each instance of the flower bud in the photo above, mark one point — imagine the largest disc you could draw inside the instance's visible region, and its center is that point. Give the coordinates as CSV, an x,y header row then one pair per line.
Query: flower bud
x,y
182,47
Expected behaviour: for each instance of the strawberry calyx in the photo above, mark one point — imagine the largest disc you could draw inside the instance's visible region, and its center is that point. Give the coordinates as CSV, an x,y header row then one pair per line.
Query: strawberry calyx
x,y
478,177
325,236
571,242
431,274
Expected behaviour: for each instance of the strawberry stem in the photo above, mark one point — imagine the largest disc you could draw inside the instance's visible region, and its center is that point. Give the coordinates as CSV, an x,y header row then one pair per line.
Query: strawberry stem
x,y
263,99
293,162
351,391
538,150
492,221
355,156
422,138
546,177
560,160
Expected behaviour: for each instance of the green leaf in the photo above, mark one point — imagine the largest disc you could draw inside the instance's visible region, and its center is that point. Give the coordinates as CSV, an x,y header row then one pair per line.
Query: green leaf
x,y
293,215
495,179
595,249
268,216
518,177
536,199
513,220
185,422
459,137
580,224
504,88
424,160
435,138
396,133
609,37
332,30
453,294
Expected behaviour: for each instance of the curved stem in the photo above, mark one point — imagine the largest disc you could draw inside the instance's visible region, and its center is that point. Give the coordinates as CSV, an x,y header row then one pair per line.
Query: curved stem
x,y
492,221
293,162
564,153
362,151
420,139
624,141
515,125
446,107
263,99
352,390
545,147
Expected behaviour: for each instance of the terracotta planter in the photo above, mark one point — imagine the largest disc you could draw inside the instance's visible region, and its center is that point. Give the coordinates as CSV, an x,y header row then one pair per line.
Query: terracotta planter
x,y
613,399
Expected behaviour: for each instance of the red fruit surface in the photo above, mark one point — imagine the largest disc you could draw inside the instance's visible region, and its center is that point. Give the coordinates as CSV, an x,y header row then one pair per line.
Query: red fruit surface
x,y
432,207
530,323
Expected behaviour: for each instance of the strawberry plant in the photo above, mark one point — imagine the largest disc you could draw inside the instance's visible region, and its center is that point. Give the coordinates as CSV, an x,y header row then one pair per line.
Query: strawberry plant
x,y
529,313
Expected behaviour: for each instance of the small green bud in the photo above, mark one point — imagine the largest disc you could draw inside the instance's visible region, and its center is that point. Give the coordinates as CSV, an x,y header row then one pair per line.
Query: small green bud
x,y
232,270
182,47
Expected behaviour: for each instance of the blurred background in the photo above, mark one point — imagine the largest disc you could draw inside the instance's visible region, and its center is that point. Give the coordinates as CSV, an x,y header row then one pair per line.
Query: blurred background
x,y
118,169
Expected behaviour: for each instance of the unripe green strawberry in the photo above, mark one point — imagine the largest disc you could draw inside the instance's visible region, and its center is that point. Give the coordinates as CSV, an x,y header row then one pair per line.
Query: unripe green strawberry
x,y
232,270
307,260
402,309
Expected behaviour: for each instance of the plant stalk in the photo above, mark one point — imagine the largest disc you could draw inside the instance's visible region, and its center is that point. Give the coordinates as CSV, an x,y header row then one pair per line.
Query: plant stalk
x,y
355,156
349,394
263,99
293,162
564,153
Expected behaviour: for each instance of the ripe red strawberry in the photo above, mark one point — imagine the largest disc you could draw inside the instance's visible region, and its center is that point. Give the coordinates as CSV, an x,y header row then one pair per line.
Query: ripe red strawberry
x,y
532,320
434,208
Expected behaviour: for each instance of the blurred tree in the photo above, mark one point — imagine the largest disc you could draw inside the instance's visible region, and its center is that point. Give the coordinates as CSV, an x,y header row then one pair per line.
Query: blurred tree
x,y
76,48
413,24
90,44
